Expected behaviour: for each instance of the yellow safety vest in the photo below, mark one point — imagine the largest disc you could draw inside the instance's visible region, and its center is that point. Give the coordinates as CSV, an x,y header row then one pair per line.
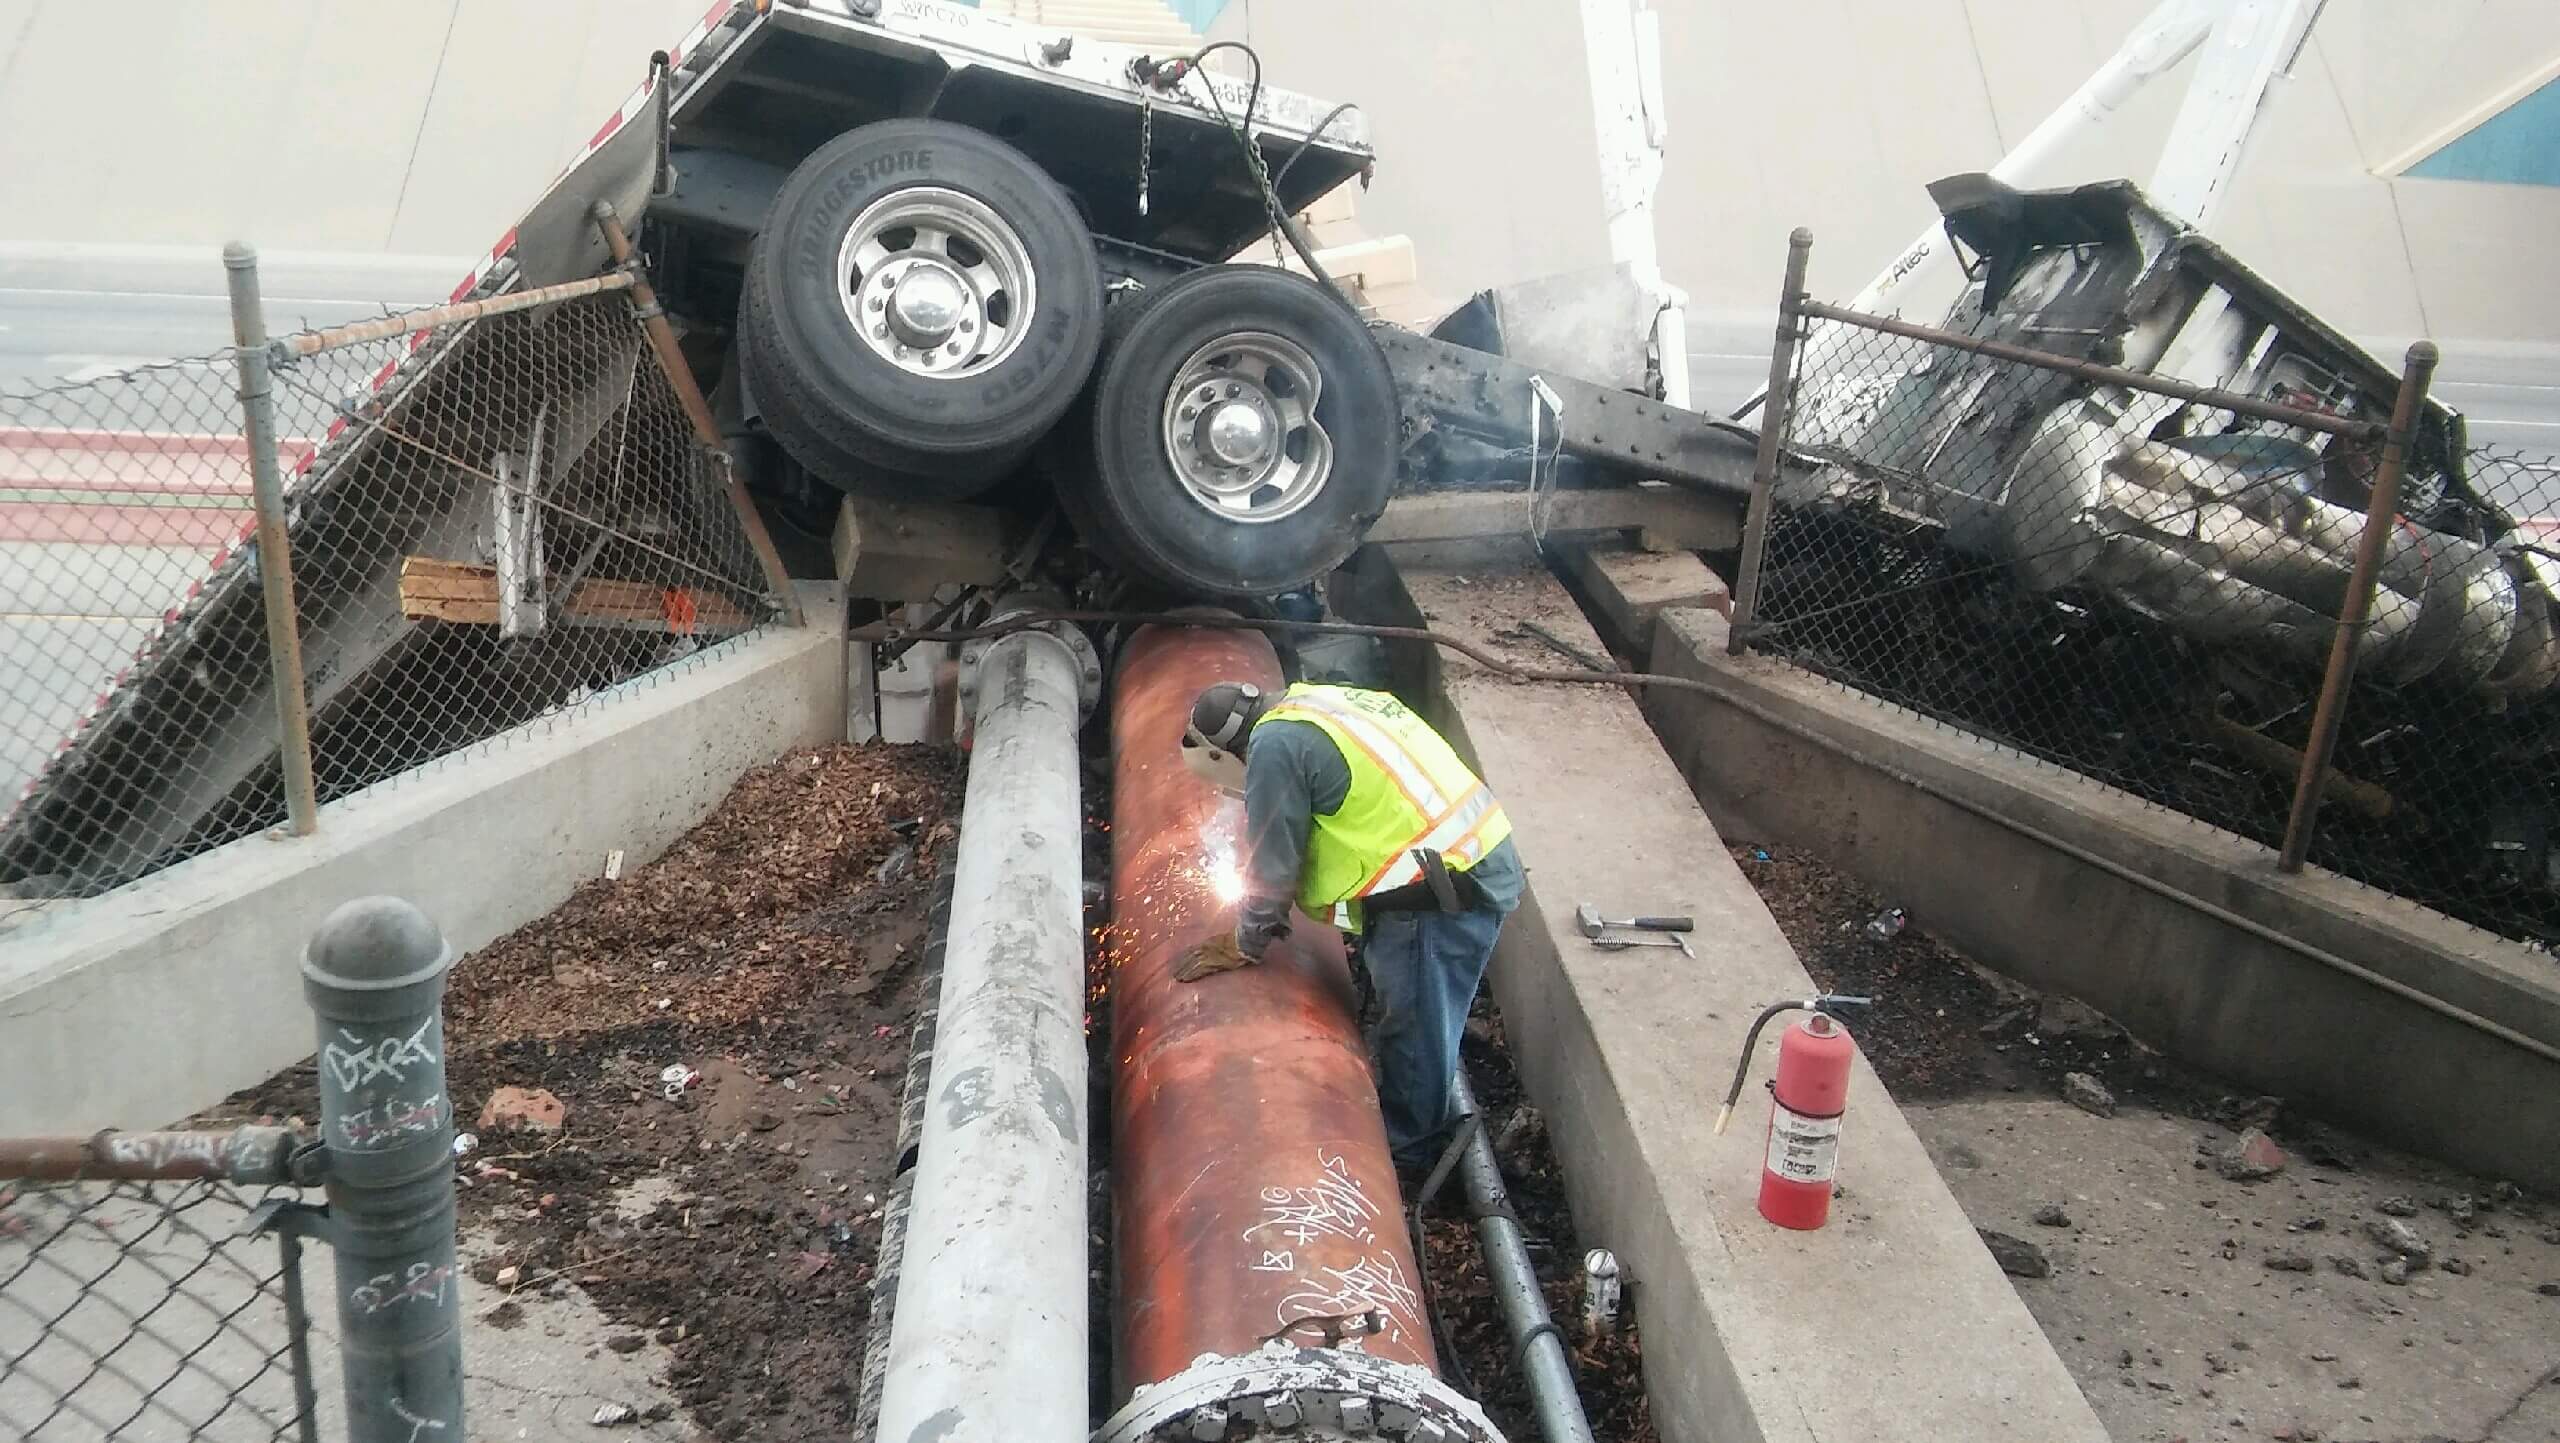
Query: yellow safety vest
x,y
1408,791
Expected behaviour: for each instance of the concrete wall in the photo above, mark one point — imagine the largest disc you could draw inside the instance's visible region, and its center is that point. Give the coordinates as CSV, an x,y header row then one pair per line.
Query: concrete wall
x,y
305,125
1835,113
161,998
2209,990
425,128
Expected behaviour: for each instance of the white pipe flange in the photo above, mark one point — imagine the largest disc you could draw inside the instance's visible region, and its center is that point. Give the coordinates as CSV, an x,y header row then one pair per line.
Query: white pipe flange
x,y
1088,662
1319,1395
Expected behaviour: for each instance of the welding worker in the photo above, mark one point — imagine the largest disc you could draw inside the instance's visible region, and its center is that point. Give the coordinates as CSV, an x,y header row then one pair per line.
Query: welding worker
x,y
1358,812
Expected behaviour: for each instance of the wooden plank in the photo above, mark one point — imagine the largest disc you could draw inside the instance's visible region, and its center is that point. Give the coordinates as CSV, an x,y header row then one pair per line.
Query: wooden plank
x,y
902,550
465,594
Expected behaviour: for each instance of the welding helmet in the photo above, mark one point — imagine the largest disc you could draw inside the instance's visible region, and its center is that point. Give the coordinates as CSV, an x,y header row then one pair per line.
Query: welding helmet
x,y
1213,743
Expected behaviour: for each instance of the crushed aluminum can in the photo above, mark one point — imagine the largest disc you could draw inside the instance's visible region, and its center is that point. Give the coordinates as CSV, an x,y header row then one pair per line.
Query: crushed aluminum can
x,y
464,1142
675,1077
1601,1291
1887,924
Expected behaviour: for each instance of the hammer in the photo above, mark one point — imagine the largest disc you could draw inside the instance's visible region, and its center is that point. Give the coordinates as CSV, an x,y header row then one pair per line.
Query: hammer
x,y
1593,925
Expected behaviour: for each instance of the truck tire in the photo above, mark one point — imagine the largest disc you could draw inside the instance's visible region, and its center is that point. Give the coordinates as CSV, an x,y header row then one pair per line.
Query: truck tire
x,y
921,306
1242,435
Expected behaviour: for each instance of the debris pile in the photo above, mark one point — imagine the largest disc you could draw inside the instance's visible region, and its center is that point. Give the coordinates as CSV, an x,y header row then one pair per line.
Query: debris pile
x,y
684,1083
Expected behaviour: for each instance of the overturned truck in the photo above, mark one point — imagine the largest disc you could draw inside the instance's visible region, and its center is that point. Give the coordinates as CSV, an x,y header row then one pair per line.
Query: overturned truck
x,y
911,253
2166,573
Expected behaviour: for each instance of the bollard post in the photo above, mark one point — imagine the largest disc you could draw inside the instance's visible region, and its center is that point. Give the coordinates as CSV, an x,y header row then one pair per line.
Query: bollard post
x,y
374,974
275,552
1774,416
2382,512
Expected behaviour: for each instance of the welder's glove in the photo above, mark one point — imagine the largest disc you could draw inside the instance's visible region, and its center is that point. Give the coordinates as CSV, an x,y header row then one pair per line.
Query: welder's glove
x,y
1241,948
1222,953
1260,922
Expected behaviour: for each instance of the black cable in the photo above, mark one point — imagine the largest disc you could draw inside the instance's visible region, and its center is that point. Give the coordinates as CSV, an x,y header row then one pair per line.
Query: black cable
x,y
1742,1065
1253,97
1269,191
1547,1329
1281,175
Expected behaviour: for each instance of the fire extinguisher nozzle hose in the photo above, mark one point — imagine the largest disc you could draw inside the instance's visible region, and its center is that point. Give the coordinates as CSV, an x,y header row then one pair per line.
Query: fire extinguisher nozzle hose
x,y
1742,1064
1751,1039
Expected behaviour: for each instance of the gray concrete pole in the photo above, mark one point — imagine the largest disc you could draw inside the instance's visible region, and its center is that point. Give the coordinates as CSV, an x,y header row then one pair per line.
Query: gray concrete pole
x,y
989,1337
374,973
275,553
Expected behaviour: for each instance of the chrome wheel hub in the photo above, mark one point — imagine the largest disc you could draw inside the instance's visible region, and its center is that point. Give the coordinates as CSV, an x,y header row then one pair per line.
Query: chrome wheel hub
x,y
935,282
1240,427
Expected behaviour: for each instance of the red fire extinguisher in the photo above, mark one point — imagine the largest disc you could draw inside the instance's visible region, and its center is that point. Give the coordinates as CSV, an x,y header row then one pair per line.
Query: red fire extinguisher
x,y
1806,1101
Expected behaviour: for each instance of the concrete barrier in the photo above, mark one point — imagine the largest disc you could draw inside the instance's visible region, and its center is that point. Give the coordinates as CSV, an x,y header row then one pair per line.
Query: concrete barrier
x,y
153,1001
2347,1002
1890,1323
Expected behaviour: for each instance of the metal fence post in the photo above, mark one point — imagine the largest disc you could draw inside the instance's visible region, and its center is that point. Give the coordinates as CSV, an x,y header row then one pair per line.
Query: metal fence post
x,y
1774,416
697,408
2381,514
374,974
275,554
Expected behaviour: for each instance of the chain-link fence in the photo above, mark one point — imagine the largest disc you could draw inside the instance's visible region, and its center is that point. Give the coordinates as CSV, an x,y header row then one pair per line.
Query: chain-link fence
x,y
2142,580
150,1309
495,512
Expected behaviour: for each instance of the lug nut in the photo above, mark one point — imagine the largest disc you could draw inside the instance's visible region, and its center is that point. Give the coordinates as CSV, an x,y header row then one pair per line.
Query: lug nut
x,y
877,303
1234,390
1188,412
881,331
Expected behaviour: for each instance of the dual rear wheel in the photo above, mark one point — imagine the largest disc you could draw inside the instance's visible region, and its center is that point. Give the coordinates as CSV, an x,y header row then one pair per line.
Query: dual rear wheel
x,y
924,307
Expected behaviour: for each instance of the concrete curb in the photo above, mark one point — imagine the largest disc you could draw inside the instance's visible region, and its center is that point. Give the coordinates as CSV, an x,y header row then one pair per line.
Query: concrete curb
x,y
158,999
1892,1322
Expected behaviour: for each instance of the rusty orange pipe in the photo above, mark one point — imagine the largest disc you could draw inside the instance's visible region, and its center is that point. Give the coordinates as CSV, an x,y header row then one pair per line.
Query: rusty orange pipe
x,y
1250,1176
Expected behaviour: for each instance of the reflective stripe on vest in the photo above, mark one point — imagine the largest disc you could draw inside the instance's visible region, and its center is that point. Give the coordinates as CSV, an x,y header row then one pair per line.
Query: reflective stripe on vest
x,y
1408,790
1382,746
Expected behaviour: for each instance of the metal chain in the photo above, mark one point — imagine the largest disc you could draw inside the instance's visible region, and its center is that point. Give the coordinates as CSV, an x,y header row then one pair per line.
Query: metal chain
x,y
1270,197
1146,145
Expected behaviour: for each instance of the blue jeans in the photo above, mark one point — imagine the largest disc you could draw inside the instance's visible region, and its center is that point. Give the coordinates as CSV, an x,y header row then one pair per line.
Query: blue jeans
x,y
1426,967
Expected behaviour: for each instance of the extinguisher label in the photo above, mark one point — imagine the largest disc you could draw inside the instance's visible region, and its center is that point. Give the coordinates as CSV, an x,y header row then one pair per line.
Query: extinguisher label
x,y
1801,1148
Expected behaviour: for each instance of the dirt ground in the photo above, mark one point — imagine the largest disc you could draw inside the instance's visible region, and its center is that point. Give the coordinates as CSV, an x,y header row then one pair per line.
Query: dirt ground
x,y
2191,1305
733,1227
728,1235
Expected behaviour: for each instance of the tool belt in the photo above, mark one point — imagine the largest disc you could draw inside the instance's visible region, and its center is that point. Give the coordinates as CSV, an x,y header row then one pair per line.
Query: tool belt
x,y
1440,889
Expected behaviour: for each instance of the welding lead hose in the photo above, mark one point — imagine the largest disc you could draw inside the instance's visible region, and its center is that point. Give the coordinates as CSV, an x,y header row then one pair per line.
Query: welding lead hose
x,y
1538,1343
